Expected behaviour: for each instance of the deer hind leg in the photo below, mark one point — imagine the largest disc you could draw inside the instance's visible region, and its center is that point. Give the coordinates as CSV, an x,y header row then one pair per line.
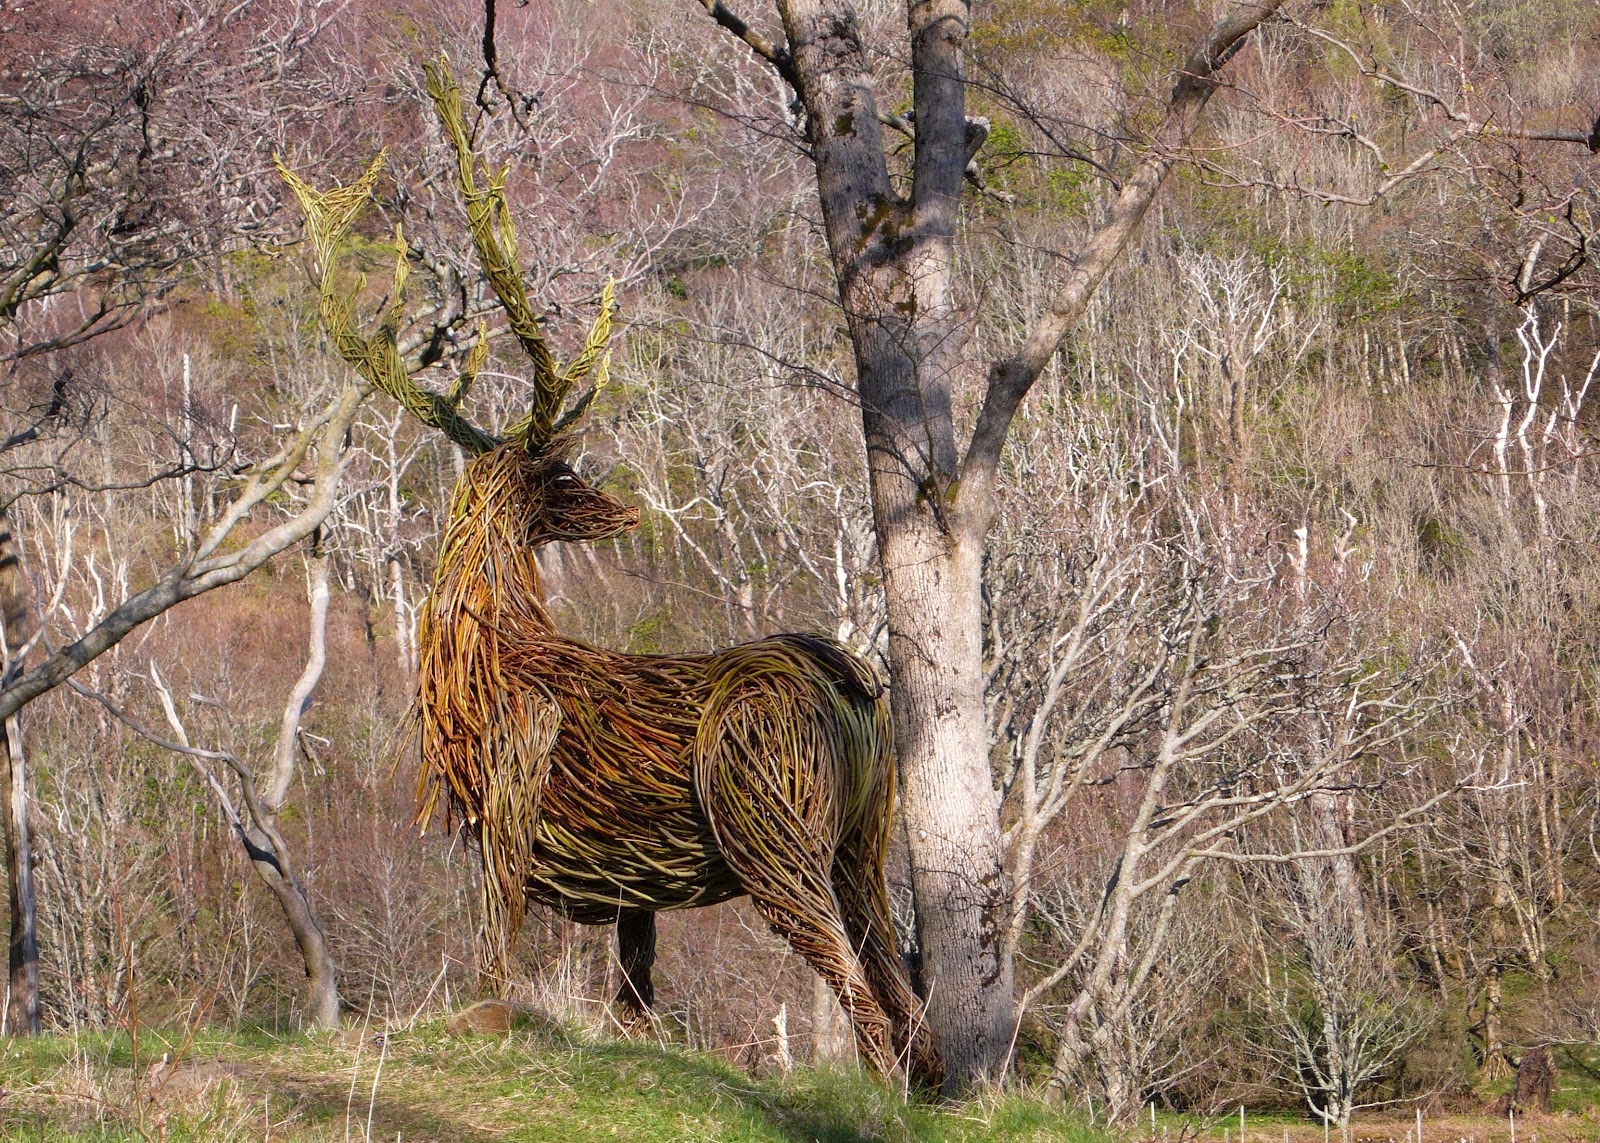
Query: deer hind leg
x,y
814,930
768,786
636,951
858,878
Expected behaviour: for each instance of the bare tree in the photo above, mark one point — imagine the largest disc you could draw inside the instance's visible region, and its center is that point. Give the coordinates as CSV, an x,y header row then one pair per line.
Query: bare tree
x,y
99,140
263,799
1238,312
745,455
894,259
1160,693
22,1012
1339,1020
125,178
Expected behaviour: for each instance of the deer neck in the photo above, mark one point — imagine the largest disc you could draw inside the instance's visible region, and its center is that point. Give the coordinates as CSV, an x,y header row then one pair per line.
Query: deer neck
x,y
497,587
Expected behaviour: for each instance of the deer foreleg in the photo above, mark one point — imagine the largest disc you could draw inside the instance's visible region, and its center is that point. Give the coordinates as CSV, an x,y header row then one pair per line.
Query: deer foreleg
x,y
636,951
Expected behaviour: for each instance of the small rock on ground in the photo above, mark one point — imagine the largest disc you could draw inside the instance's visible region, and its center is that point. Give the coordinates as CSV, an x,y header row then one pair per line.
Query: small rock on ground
x,y
494,1018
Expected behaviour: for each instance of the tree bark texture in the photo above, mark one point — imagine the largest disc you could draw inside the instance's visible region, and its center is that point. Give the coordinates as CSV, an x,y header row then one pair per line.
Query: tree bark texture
x,y
23,1016
893,258
948,797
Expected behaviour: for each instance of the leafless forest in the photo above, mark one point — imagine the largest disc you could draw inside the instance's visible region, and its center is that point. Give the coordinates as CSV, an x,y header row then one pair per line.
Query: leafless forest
x,y
1291,610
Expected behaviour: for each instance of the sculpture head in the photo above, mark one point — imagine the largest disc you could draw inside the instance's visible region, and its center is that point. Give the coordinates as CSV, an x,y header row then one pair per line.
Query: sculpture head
x,y
511,499
561,505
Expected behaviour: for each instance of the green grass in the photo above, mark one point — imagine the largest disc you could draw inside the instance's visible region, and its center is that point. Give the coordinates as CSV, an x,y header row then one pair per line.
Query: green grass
x,y
1578,1079
539,1085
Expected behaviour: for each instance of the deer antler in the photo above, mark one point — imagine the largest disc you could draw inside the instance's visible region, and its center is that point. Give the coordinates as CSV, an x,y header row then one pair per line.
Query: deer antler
x,y
329,216
377,358
495,239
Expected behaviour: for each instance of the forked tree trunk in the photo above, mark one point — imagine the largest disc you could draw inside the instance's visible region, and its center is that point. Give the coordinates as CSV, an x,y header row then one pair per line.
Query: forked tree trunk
x,y
256,827
894,258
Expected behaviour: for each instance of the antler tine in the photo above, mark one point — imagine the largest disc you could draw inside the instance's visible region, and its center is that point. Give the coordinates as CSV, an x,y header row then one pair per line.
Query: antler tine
x,y
494,238
329,216
594,358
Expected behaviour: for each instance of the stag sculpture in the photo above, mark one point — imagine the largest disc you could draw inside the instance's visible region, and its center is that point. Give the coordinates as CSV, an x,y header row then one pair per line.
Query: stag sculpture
x,y
611,786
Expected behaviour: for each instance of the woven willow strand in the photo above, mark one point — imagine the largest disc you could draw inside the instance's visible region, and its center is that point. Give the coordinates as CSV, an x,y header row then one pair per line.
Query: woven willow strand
x,y
329,217
494,238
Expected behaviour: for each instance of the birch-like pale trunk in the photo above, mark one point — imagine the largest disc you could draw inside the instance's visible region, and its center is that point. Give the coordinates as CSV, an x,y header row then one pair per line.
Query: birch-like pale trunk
x,y
322,979
23,1016
256,827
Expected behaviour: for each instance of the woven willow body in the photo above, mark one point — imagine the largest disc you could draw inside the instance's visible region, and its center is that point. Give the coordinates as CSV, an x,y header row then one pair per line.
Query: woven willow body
x,y
599,782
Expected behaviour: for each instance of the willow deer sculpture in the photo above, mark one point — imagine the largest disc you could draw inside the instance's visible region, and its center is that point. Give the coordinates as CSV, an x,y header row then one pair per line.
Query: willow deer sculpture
x,y
612,786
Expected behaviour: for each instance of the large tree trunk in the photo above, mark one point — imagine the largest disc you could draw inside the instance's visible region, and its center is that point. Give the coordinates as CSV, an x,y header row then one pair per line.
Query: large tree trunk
x,y
952,820
893,255
894,258
932,558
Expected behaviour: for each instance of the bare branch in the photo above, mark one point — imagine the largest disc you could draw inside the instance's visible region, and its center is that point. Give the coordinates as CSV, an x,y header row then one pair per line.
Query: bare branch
x,y
1010,379
775,54
197,576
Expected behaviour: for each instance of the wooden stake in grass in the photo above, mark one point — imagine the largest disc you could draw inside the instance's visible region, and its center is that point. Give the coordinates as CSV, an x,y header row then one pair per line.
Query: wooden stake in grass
x,y
780,1024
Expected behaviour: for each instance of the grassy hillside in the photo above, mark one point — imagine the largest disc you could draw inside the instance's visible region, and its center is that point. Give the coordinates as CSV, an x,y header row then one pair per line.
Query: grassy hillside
x,y
559,1085
424,1084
